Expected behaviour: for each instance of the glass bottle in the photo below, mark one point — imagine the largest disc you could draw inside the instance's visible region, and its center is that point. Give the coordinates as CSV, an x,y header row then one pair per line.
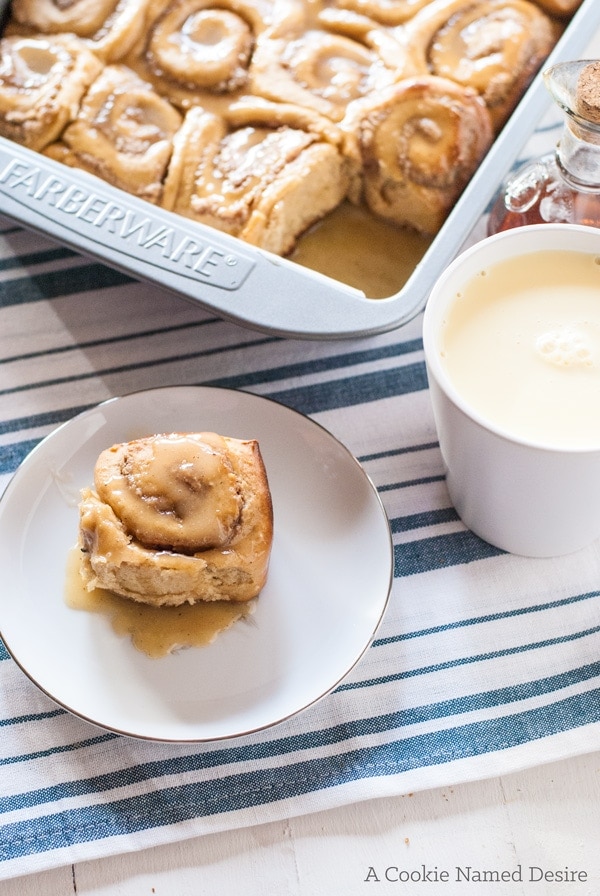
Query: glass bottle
x,y
564,185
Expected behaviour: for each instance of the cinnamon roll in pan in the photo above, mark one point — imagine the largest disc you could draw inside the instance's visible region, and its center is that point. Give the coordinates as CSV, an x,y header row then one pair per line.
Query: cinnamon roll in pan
x,y
420,141
197,52
178,518
123,133
42,82
376,37
560,7
494,46
264,174
111,27
385,12
319,70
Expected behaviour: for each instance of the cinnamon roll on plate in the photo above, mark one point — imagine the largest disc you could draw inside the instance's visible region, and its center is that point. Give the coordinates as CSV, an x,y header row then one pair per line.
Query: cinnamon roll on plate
x,y
178,518
123,134
420,141
110,27
42,82
264,173
493,46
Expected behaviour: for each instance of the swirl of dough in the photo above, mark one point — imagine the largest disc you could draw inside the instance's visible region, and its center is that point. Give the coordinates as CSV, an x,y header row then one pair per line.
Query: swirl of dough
x,y
197,52
123,133
111,27
493,46
319,70
210,48
263,174
177,518
42,81
420,141
199,45
385,12
174,491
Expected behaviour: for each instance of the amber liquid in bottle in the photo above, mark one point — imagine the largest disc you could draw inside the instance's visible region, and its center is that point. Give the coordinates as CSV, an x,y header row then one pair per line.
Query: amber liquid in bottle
x,y
576,207
563,186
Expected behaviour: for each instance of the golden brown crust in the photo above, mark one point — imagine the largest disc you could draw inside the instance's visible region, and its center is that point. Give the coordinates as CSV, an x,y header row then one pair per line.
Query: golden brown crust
x,y
197,52
559,7
263,174
420,141
492,46
123,133
384,12
42,82
320,70
109,27
178,518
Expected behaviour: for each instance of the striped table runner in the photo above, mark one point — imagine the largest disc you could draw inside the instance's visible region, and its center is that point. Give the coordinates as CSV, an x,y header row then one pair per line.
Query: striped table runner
x,y
484,663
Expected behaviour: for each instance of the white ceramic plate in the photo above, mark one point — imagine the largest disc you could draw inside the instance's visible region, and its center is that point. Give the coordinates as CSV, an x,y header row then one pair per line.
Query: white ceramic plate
x,y
329,579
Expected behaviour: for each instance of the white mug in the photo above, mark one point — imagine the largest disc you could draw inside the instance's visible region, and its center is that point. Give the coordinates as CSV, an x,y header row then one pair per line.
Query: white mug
x,y
524,496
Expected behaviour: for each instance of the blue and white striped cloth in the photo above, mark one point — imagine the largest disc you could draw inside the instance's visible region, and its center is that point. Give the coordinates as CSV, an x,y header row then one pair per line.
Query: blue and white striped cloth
x,y
485,663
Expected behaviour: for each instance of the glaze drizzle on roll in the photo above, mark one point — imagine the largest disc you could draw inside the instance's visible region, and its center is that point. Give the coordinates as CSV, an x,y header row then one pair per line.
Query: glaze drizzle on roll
x,y
176,518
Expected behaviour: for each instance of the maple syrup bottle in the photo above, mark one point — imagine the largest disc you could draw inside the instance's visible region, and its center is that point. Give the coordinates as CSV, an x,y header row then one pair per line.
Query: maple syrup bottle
x,y
564,185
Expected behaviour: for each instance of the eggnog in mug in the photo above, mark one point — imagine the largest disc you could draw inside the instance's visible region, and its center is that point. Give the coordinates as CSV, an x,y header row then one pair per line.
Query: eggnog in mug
x,y
520,343
511,334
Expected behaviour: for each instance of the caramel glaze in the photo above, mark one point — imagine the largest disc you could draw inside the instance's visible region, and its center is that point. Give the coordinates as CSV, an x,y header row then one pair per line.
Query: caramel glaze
x,y
175,491
155,631
355,248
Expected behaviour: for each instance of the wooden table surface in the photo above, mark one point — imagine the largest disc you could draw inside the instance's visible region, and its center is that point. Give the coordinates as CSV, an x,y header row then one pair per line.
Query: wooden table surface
x,y
508,836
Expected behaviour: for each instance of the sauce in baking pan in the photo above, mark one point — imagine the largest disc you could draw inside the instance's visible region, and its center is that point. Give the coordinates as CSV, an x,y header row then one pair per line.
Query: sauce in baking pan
x,y
155,631
355,248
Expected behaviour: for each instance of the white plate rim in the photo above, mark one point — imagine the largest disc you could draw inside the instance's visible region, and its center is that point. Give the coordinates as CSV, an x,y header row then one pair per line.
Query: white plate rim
x,y
382,599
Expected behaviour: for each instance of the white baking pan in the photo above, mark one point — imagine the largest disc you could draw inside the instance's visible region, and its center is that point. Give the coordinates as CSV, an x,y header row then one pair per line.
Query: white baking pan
x,y
235,280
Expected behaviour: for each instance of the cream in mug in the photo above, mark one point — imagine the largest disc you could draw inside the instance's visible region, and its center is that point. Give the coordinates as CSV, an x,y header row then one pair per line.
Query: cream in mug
x,y
521,345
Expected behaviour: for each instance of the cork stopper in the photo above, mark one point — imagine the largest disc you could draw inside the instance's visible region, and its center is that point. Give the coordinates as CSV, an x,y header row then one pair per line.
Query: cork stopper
x,y
587,94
